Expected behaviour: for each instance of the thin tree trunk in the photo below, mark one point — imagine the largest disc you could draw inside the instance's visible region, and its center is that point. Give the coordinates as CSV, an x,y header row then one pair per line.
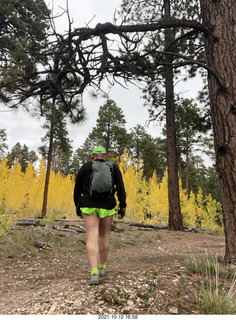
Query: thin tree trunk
x,y
107,141
220,17
49,162
187,170
60,160
175,217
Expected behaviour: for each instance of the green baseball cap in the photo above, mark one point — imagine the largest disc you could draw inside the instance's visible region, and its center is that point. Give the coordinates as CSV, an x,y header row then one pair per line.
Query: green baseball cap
x,y
99,150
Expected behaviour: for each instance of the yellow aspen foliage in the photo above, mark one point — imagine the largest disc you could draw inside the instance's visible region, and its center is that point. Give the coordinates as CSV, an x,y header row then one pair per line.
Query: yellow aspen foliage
x,y
4,172
21,195
29,180
15,193
68,202
201,212
37,188
5,222
60,195
54,189
211,209
136,188
158,199
153,188
188,209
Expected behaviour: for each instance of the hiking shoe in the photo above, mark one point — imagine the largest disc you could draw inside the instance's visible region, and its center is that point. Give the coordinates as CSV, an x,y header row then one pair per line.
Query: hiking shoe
x,y
102,272
94,279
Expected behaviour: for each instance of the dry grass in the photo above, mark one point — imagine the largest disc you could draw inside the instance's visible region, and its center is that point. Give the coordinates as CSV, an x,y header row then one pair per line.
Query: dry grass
x,y
217,288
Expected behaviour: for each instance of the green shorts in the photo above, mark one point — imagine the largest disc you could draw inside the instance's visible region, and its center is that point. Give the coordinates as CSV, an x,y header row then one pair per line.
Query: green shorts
x,y
101,213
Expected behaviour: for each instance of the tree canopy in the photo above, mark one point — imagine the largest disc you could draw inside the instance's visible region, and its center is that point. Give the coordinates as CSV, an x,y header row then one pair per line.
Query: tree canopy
x,y
23,35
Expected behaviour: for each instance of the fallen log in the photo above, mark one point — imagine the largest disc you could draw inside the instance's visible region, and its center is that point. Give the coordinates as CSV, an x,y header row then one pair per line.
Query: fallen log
x,y
150,226
69,220
196,230
28,222
81,228
68,229
147,229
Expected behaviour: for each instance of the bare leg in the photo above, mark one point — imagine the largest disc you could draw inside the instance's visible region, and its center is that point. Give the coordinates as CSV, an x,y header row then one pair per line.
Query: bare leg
x,y
91,223
104,241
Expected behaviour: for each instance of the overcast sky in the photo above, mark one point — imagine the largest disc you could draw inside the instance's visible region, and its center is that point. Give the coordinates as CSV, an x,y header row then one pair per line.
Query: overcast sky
x,y
21,127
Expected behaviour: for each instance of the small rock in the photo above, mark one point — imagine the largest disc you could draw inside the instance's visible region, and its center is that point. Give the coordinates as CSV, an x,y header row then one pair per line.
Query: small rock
x,y
173,310
130,303
127,308
53,308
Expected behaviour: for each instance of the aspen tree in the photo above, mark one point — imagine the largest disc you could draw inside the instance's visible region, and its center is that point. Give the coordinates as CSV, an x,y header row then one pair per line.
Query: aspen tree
x,y
212,207
4,172
39,187
135,188
15,192
29,182
189,209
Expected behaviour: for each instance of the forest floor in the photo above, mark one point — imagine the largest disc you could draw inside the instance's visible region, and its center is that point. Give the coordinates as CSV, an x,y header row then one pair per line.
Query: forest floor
x,y
148,271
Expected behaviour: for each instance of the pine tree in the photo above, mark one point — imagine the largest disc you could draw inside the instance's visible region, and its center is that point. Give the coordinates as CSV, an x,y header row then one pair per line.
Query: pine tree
x,y
54,114
23,34
3,145
109,132
219,16
152,151
192,126
110,129
23,155
171,39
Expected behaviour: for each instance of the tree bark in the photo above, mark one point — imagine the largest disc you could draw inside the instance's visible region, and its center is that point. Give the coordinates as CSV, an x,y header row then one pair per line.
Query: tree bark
x,y
187,168
175,217
49,162
60,160
220,17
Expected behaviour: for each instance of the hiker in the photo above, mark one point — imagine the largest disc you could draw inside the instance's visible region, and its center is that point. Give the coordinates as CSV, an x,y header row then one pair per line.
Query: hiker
x,y
95,186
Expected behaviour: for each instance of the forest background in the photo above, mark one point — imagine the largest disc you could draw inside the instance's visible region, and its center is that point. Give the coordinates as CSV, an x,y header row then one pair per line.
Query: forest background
x,y
147,156
142,160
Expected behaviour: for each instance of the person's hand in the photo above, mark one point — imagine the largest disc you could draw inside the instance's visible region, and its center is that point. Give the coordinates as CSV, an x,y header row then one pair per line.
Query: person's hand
x,y
79,212
121,213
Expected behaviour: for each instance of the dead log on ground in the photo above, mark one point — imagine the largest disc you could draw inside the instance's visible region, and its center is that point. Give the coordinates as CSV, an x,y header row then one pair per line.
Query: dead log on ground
x,y
82,230
69,220
149,226
28,222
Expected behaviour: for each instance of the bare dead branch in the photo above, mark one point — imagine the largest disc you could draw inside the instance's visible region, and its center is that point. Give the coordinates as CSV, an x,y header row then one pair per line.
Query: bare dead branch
x,y
85,56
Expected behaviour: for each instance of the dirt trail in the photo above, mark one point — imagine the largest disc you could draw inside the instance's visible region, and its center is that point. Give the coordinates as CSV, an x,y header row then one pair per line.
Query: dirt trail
x,y
147,274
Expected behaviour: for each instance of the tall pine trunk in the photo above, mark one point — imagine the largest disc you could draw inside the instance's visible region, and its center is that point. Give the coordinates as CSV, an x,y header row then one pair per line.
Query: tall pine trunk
x,y
187,167
60,160
175,217
220,18
47,178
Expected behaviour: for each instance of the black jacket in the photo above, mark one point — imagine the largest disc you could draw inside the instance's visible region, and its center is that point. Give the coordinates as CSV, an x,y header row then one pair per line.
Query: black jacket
x,y
82,184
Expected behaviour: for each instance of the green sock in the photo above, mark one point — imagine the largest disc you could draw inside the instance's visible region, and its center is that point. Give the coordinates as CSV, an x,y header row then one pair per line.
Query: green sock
x,y
102,265
94,270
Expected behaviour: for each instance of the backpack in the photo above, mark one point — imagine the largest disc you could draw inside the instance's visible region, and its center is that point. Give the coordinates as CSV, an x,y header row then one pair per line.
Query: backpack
x,y
101,180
